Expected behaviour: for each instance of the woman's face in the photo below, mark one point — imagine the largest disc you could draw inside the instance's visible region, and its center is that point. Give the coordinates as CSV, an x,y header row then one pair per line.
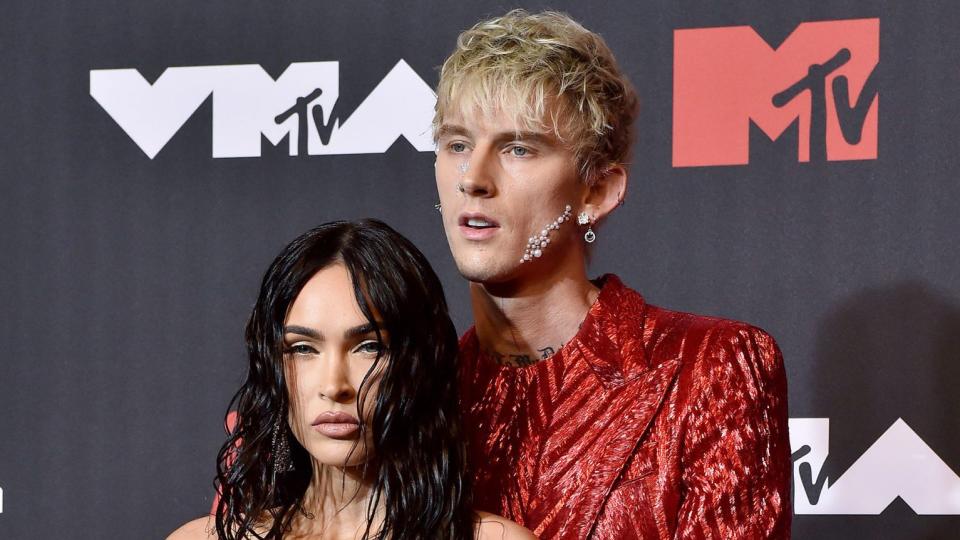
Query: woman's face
x,y
329,347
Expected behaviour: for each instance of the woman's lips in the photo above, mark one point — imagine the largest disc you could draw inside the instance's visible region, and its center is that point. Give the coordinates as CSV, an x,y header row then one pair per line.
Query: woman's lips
x,y
337,425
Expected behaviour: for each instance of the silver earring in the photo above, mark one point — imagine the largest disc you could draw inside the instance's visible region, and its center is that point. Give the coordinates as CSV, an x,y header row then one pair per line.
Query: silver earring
x,y
439,207
590,236
584,219
538,243
280,448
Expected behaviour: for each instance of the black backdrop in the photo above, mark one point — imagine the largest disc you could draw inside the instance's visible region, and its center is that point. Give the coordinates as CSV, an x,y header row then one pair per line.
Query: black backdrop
x,y
125,280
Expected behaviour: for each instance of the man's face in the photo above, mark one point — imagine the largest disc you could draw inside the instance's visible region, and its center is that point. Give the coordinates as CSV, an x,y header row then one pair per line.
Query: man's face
x,y
499,186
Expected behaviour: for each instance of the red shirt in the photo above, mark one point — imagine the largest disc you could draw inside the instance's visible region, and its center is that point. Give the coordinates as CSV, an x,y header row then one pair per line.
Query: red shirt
x,y
649,423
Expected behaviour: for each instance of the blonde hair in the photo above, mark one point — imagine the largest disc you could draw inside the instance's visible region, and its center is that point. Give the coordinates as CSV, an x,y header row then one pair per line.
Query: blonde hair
x,y
522,63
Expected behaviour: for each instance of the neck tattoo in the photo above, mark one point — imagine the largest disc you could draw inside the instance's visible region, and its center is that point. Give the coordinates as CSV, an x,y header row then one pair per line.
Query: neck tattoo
x,y
521,359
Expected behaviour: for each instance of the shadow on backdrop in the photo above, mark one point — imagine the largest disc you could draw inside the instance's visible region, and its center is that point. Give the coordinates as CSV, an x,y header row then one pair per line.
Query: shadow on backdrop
x,y
887,352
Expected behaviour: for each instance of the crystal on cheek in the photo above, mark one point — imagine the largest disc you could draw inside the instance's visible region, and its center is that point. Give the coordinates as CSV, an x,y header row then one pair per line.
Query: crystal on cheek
x,y
536,244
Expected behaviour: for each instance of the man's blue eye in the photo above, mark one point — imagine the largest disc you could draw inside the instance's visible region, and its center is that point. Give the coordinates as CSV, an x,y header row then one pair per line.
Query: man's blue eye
x,y
458,147
520,151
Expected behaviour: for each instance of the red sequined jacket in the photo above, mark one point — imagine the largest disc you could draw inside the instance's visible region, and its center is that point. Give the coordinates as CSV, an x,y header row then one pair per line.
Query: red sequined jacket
x,y
649,423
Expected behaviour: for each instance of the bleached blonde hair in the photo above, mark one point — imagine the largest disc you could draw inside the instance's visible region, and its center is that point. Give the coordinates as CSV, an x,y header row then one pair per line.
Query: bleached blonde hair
x,y
527,64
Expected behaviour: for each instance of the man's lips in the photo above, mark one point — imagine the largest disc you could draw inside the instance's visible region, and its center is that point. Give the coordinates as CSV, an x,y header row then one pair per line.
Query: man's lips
x,y
476,226
337,425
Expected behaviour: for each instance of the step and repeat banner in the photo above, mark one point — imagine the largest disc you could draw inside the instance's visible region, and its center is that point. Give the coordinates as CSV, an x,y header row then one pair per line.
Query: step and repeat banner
x,y
797,167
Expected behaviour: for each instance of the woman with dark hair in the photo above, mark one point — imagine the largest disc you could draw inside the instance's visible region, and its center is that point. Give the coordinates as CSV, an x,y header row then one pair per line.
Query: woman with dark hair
x,y
348,424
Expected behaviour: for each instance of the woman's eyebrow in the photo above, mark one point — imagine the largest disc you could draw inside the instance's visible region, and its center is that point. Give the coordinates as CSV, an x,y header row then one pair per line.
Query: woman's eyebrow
x,y
362,330
303,331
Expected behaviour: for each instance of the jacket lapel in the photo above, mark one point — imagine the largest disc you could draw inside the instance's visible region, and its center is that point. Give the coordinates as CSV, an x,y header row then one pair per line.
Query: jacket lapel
x,y
612,343
633,406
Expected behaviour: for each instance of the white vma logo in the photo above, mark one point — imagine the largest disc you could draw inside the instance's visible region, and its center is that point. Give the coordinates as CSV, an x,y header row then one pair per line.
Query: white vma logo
x,y
898,464
249,104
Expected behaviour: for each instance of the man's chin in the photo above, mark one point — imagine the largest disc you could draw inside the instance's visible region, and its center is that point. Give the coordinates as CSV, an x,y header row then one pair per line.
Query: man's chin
x,y
477,276
484,272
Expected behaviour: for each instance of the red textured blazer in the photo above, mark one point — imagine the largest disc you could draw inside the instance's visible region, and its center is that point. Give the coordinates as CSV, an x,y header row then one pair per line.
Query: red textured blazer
x,y
649,423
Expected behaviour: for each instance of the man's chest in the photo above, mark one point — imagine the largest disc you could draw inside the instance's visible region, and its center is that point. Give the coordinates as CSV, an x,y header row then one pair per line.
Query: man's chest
x,y
538,455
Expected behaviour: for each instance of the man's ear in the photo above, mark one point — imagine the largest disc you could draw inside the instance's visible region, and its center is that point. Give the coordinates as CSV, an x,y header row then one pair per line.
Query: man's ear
x,y
606,192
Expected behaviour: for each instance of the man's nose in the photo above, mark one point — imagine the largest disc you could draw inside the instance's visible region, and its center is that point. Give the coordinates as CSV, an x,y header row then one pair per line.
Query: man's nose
x,y
479,173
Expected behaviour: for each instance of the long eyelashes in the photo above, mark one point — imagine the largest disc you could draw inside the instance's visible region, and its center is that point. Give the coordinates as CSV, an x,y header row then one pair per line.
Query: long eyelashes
x,y
538,243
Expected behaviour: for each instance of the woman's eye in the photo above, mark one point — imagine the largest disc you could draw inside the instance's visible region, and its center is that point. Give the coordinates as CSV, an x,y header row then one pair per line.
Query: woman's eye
x,y
301,349
370,347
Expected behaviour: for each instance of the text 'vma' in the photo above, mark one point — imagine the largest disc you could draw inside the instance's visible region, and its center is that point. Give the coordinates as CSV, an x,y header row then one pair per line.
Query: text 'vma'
x,y
248,104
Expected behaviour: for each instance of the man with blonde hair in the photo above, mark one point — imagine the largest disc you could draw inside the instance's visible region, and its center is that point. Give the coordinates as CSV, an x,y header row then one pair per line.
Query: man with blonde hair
x,y
589,413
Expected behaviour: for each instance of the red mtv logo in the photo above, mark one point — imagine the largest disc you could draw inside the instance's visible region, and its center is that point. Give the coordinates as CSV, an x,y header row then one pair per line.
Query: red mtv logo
x,y
822,77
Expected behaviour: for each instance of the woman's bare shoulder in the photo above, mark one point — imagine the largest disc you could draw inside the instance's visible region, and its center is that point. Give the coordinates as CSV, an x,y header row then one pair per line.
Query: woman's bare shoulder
x,y
198,529
494,527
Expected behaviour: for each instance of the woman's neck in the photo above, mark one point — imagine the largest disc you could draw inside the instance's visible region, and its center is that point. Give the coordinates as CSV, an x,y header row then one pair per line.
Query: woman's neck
x,y
336,503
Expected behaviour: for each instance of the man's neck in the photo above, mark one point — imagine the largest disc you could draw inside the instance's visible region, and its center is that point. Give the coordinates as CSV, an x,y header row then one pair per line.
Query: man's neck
x,y
524,323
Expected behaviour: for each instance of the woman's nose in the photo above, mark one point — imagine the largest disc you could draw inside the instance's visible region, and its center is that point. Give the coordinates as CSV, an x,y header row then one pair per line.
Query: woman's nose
x,y
336,382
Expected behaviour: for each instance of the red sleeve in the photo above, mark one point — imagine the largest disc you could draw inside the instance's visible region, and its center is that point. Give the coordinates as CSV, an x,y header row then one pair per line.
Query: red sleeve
x,y
736,452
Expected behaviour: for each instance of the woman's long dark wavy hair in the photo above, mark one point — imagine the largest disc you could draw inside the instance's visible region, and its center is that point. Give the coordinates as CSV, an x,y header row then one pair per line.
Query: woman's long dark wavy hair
x,y
418,460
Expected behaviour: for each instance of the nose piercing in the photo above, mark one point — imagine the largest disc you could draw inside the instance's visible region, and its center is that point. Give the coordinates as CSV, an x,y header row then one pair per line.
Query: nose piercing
x,y
463,167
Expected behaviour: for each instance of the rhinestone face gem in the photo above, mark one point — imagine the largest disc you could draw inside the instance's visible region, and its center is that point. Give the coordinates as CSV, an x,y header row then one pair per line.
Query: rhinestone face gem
x,y
536,244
